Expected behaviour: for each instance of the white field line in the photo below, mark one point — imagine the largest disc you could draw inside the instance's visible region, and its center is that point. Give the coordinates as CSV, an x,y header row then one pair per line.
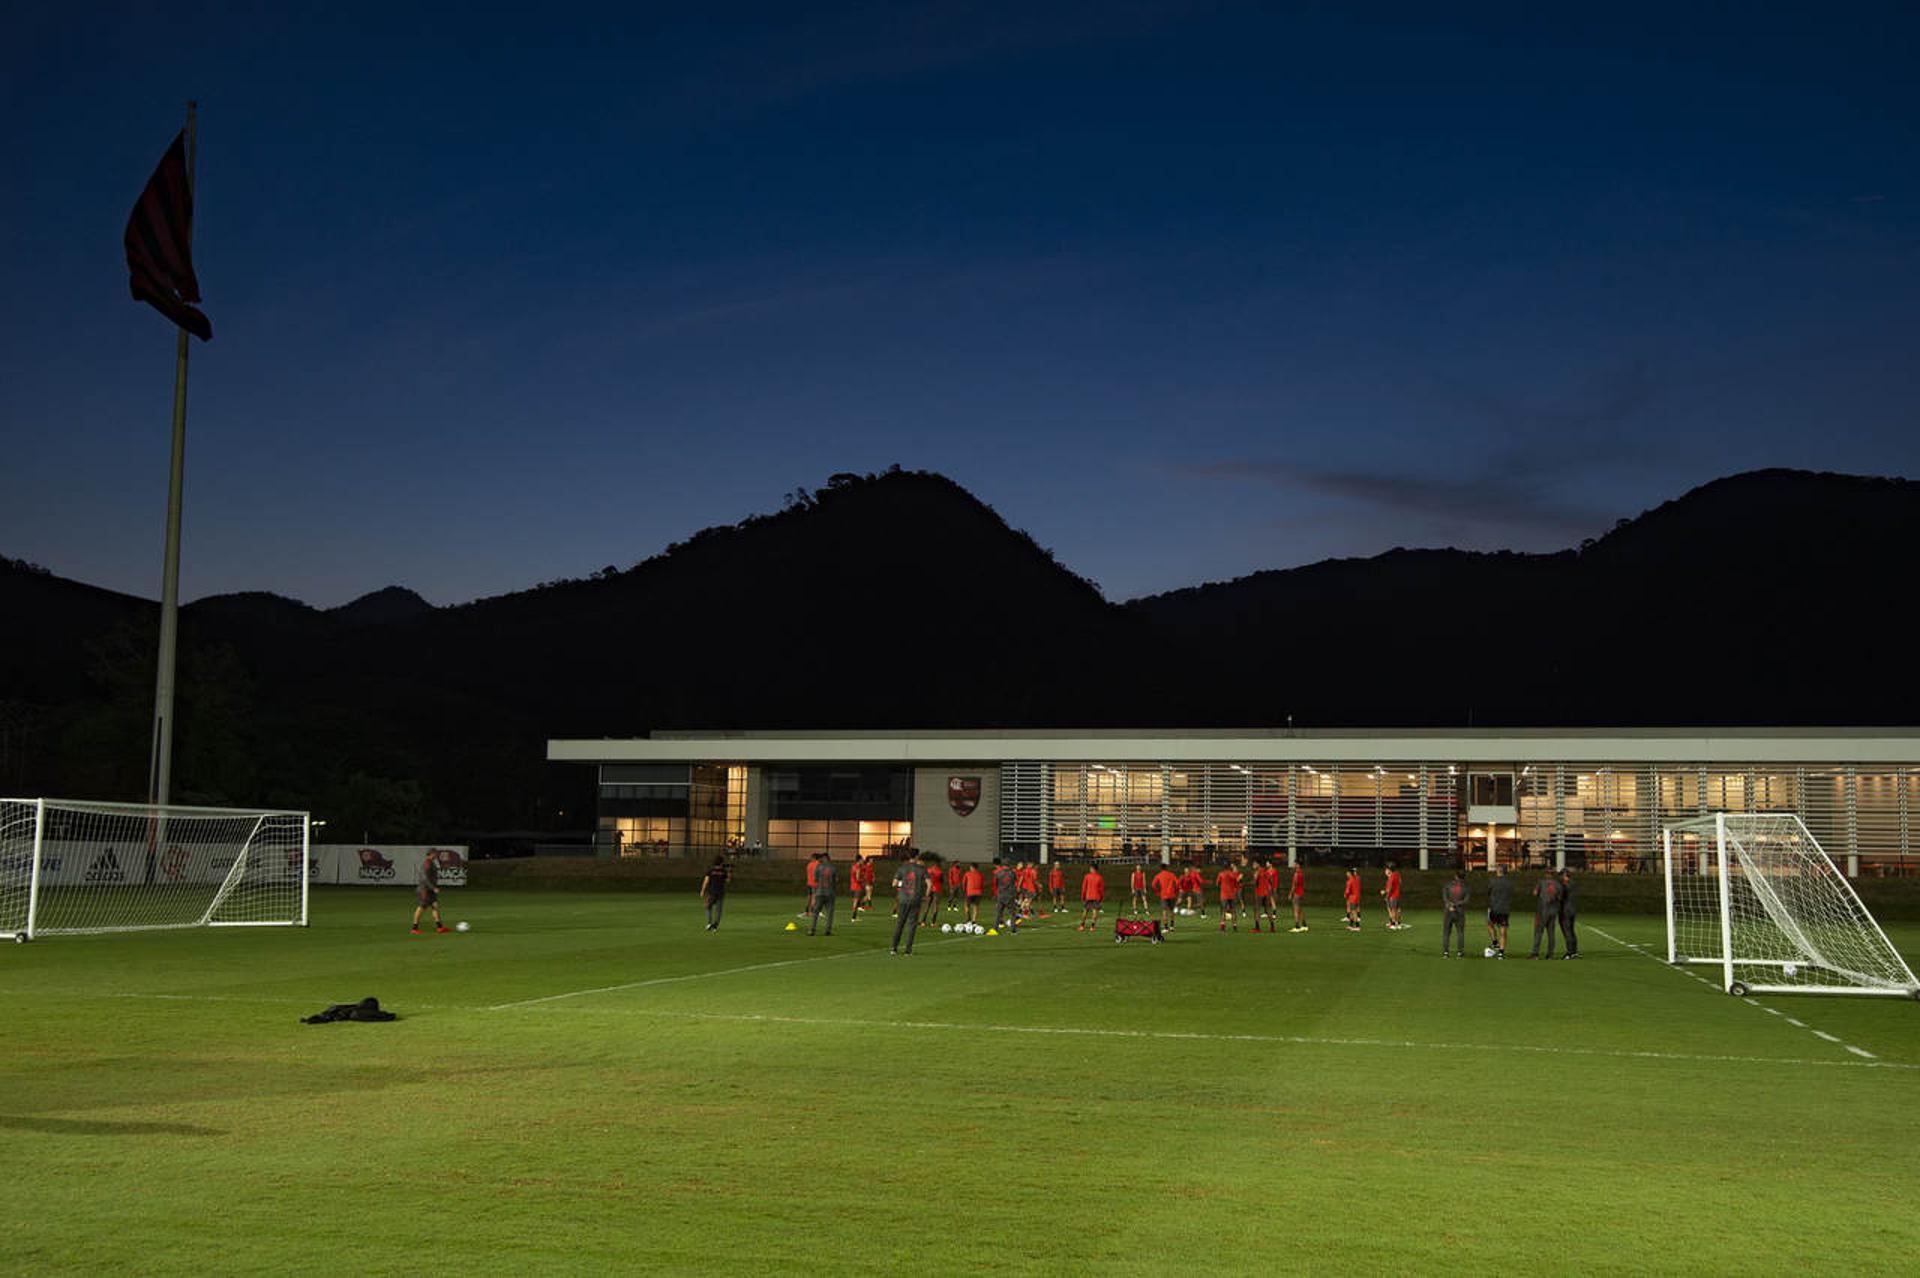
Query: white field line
x,y
1185,1036
1714,985
691,976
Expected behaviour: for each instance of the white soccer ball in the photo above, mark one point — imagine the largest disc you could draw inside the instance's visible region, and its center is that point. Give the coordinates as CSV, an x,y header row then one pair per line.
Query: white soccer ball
x,y
1488,953
1791,970
946,927
462,926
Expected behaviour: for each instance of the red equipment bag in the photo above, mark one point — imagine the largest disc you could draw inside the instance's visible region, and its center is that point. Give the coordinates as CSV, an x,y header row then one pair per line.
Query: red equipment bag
x,y
1126,928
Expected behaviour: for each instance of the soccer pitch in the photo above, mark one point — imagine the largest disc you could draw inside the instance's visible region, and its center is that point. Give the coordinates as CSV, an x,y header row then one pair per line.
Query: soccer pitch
x,y
591,1083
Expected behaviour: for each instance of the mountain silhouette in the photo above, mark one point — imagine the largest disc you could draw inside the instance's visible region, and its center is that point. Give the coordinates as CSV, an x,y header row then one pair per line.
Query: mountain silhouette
x,y
900,600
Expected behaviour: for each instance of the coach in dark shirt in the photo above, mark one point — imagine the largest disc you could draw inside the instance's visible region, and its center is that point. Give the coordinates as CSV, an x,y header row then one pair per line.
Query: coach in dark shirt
x,y
1569,906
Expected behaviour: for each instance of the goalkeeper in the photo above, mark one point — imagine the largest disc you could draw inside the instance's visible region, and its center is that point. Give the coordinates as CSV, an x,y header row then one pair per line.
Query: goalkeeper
x,y
426,893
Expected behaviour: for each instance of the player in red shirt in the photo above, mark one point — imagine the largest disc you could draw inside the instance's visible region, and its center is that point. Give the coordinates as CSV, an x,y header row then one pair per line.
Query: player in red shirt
x,y
1093,894
1029,887
1353,899
813,863
974,884
1194,885
1166,885
1392,892
1057,883
1138,882
931,908
1297,897
1266,882
1229,883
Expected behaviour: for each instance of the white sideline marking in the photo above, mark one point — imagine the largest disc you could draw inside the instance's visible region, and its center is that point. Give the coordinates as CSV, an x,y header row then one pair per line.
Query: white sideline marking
x,y
1714,985
1298,1040
671,980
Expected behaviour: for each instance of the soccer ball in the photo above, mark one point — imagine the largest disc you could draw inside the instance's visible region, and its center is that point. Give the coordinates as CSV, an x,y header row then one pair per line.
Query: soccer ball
x,y
1488,953
1790,970
946,927
462,926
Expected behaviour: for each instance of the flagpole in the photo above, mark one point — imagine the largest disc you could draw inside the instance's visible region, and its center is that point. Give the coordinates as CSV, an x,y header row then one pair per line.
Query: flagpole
x,y
160,772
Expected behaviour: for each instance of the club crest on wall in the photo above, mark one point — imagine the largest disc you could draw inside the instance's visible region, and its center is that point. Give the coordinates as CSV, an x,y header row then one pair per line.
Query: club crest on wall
x,y
963,794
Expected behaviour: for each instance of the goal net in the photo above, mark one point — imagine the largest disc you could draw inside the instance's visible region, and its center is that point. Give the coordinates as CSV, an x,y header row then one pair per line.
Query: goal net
x,y
1755,895
77,866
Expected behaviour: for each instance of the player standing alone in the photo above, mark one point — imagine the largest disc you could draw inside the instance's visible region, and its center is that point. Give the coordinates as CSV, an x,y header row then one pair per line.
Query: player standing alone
x,y
713,891
1137,881
1297,897
426,892
1392,892
1093,894
1353,899
1057,883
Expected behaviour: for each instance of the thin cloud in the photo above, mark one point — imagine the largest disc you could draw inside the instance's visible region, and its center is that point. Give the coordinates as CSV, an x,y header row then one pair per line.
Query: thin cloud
x,y
1457,503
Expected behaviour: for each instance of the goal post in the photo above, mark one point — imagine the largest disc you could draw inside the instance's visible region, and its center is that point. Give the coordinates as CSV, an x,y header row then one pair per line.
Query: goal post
x,y
78,866
1756,896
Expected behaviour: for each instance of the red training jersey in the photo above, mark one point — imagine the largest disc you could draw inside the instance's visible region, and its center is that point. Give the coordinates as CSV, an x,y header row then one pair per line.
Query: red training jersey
x,y
812,865
1229,881
974,882
1093,887
1139,879
933,878
1166,884
1353,889
1393,883
1299,880
1056,877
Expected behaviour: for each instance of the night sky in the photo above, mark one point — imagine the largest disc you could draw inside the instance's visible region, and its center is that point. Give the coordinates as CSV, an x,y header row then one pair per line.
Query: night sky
x,y
1185,290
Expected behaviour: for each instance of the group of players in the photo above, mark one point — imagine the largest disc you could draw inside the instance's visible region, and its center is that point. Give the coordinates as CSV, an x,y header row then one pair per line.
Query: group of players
x,y
925,886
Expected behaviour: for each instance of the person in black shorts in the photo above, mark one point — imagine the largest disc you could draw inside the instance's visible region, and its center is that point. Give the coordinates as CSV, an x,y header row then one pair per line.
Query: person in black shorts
x,y
713,891
1499,911
426,894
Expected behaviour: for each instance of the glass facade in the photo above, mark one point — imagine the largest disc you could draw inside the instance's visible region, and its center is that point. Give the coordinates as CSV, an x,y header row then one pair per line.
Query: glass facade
x,y
1587,815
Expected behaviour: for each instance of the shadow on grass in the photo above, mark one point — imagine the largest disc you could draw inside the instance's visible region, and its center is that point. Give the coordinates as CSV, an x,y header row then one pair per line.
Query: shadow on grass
x,y
89,1127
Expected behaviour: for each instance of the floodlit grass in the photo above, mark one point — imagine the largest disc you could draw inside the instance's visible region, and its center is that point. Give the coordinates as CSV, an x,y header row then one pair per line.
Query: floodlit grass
x,y
1050,1101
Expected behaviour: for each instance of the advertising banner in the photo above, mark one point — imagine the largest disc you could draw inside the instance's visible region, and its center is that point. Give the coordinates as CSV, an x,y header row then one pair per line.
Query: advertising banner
x,y
385,864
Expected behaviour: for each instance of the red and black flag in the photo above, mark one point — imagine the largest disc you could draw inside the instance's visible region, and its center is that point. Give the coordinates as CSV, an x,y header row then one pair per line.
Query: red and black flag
x,y
160,244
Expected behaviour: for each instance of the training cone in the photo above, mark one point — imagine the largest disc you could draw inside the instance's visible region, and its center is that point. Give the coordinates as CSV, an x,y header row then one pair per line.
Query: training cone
x,y
993,931
792,926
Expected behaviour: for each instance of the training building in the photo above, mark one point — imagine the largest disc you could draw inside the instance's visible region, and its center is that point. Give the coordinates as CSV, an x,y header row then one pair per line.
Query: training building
x,y
1589,799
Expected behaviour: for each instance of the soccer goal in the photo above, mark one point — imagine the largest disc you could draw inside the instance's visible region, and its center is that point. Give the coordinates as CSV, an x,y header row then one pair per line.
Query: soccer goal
x,y
1755,895
76,866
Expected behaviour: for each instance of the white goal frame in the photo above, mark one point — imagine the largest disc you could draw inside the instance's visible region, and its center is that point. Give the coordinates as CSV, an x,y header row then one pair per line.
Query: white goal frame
x,y
32,878
1729,870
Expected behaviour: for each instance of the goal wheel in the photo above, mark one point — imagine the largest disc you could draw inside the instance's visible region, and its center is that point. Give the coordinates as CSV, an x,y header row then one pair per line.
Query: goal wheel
x,y
1738,989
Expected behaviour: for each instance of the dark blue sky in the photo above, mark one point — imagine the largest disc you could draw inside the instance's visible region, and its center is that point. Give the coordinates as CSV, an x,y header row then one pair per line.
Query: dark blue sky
x,y
1186,290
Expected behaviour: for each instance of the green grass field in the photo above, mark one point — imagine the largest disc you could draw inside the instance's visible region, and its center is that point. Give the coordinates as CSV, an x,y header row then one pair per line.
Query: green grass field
x,y
759,1101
